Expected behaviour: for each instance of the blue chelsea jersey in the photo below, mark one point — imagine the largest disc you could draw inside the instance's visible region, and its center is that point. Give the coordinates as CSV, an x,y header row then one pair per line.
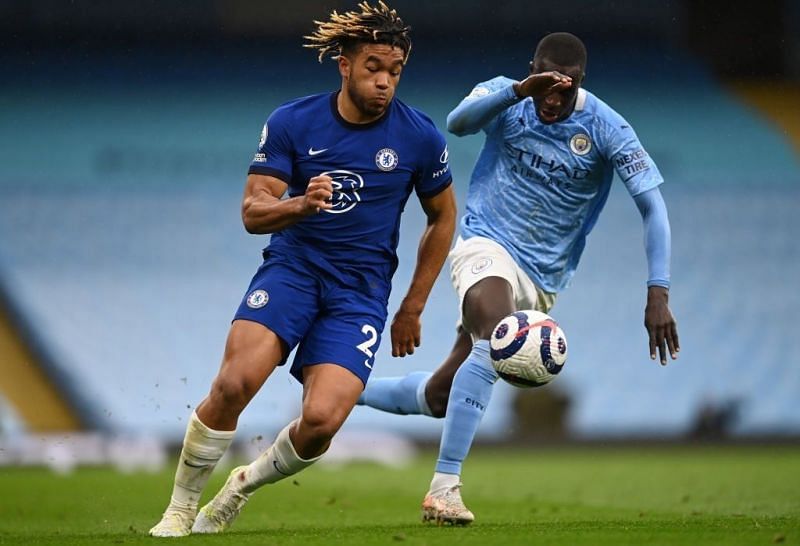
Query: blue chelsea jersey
x,y
374,167
537,189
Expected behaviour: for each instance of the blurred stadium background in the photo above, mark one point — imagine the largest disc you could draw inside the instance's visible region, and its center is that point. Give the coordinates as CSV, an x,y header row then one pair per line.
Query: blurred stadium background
x,y
127,129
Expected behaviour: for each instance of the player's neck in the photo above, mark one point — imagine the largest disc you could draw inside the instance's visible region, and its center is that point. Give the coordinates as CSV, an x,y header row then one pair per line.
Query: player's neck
x,y
350,112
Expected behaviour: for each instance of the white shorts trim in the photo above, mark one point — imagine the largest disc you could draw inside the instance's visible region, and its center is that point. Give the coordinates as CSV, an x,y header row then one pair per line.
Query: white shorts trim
x,y
474,259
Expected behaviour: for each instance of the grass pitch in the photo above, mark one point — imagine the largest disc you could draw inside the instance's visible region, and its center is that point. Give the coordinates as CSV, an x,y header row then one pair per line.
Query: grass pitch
x,y
570,496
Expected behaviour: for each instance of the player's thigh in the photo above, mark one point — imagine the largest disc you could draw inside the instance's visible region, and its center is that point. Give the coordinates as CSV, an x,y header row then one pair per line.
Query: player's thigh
x,y
252,351
485,304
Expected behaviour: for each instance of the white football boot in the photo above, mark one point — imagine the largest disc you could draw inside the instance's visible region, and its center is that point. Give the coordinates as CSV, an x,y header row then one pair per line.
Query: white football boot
x,y
217,515
446,507
176,522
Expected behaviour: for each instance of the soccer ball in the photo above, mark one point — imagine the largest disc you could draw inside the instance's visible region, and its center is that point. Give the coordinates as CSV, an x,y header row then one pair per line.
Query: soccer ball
x,y
528,349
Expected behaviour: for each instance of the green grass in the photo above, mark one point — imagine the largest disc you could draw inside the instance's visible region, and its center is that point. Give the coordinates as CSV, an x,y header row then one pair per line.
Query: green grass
x,y
570,496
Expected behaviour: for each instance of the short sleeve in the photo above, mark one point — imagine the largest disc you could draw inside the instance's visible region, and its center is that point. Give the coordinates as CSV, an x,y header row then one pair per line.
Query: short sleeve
x,y
434,174
631,161
275,150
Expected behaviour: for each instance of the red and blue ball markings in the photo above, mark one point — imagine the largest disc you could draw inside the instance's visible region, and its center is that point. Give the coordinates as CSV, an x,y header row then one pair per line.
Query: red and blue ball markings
x,y
548,327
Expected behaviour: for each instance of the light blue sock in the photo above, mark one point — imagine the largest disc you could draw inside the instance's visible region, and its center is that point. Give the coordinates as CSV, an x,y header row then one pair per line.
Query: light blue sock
x,y
403,395
469,397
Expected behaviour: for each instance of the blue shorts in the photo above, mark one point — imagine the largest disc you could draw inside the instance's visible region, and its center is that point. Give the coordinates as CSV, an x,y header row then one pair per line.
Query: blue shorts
x,y
333,322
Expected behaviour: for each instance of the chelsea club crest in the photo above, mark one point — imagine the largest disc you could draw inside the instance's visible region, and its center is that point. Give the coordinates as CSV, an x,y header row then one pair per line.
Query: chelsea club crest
x,y
580,144
386,159
257,299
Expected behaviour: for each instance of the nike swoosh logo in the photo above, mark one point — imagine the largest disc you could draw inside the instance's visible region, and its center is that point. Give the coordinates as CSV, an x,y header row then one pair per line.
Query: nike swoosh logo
x,y
278,470
312,151
187,463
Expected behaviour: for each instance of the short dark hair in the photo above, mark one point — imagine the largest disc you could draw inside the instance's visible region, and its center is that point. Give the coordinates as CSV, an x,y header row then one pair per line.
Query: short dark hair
x,y
374,25
562,48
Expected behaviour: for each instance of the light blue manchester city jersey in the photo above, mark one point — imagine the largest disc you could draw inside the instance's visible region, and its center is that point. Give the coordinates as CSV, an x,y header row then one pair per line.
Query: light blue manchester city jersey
x,y
538,189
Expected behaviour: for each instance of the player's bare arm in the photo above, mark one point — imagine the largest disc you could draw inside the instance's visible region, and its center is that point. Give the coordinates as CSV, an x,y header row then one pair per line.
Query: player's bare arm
x,y
661,326
263,210
433,248
542,84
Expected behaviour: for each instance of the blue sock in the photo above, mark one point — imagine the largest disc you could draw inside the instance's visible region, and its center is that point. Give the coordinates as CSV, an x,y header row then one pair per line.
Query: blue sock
x,y
402,395
469,397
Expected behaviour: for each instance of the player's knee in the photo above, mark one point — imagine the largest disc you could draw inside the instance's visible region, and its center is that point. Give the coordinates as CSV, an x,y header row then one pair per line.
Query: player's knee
x,y
319,423
231,393
482,324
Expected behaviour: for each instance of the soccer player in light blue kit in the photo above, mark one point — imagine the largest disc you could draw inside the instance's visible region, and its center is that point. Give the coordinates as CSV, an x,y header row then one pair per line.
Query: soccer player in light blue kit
x,y
349,161
540,182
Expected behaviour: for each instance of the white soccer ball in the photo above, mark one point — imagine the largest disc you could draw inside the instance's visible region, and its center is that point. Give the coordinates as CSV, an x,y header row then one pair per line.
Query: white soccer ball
x,y
528,348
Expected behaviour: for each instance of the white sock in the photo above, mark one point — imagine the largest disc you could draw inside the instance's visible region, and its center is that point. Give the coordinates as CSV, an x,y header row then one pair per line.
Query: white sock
x,y
202,450
442,481
279,461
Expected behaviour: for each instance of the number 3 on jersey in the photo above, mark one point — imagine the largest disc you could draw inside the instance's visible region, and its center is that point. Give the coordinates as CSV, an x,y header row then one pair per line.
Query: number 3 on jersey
x,y
372,338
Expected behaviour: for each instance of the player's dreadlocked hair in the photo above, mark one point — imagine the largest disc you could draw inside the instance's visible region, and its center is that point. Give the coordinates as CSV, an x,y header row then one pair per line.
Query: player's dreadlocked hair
x,y
375,24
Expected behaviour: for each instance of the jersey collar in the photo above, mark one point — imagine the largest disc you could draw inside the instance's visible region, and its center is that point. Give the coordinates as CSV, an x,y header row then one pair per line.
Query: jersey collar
x,y
580,102
357,126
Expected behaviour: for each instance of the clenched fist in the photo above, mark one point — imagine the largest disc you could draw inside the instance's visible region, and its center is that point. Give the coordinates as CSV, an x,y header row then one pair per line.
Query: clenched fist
x,y
318,194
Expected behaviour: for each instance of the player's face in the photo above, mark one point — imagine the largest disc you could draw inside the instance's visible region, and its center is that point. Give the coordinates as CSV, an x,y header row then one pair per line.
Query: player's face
x,y
371,76
557,106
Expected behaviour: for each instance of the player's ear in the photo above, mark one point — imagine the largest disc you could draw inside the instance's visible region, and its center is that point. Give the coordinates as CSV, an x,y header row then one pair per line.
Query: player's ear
x,y
344,66
530,67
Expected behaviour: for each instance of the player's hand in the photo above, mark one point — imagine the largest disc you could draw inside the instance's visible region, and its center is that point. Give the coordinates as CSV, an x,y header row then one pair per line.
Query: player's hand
x,y
318,194
406,332
542,84
661,326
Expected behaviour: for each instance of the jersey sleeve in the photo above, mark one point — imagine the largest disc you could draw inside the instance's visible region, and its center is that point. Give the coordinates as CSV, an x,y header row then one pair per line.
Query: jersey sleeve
x,y
501,97
275,150
434,172
630,160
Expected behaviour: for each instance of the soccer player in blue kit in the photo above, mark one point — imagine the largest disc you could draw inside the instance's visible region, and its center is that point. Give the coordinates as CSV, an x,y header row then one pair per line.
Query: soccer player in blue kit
x,y
349,161
537,188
